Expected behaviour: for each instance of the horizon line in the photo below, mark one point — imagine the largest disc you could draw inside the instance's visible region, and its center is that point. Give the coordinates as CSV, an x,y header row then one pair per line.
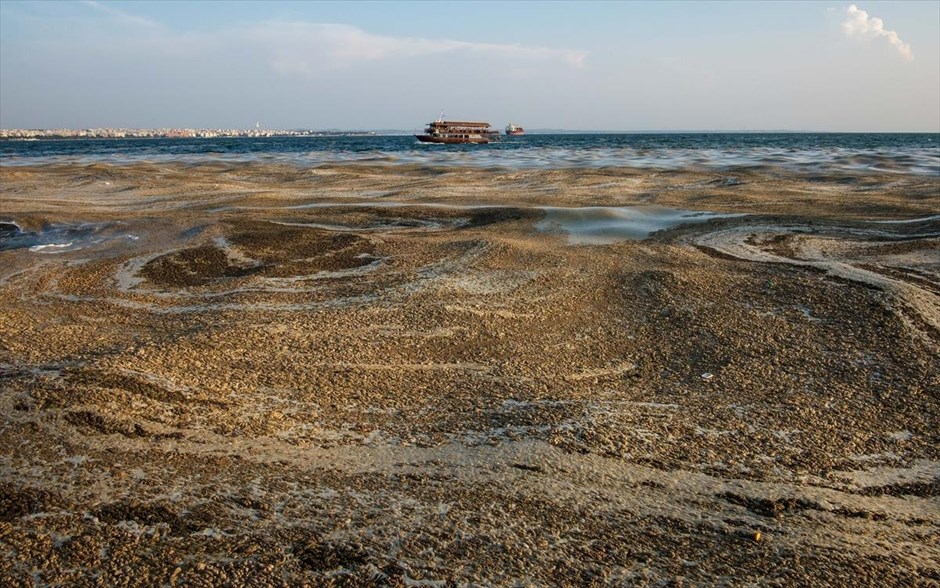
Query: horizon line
x,y
389,130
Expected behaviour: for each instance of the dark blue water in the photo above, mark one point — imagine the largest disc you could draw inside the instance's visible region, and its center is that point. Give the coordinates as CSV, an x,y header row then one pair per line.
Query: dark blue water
x,y
901,153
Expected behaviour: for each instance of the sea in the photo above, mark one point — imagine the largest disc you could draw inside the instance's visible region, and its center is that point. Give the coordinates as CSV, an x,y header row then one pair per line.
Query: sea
x,y
812,153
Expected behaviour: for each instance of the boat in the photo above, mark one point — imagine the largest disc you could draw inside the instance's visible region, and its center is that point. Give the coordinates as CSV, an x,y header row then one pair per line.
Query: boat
x,y
458,131
514,130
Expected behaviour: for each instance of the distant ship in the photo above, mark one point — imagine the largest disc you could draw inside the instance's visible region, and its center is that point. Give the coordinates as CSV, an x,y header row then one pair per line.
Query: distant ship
x,y
514,130
455,131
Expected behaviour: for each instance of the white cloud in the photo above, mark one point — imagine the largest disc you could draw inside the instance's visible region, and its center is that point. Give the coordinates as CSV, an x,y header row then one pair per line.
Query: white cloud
x,y
859,24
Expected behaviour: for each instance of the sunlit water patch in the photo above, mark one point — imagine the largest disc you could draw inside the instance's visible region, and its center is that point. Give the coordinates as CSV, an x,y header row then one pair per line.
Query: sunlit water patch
x,y
599,225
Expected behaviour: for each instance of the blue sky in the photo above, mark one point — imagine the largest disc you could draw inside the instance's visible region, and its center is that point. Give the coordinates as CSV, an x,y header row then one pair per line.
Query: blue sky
x,y
376,65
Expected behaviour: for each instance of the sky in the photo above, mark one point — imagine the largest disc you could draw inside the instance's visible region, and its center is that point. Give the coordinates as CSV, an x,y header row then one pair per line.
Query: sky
x,y
627,66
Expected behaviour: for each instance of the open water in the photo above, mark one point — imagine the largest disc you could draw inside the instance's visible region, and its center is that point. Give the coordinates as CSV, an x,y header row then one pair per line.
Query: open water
x,y
901,153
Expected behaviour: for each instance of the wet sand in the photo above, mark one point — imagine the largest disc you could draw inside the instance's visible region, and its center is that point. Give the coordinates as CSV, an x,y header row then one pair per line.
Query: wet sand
x,y
352,375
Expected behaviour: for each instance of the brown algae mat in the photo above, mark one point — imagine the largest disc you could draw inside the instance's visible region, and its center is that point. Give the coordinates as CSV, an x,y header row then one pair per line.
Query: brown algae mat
x,y
350,375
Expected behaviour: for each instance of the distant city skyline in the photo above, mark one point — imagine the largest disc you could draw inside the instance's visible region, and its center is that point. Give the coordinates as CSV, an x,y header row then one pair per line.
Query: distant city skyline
x,y
696,66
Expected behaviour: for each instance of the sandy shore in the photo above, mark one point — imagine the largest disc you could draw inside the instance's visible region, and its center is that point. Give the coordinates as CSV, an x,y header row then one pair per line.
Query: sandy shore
x,y
352,375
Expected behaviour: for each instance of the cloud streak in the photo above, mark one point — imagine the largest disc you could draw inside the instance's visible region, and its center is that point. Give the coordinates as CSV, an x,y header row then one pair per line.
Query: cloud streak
x,y
859,24
119,15
308,48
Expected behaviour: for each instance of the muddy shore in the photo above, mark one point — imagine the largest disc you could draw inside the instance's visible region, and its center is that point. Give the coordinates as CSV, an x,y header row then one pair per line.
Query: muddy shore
x,y
395,375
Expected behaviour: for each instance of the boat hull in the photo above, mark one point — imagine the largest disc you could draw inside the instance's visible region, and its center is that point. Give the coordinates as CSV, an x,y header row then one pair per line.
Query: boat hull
x,y
451,140
515,133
